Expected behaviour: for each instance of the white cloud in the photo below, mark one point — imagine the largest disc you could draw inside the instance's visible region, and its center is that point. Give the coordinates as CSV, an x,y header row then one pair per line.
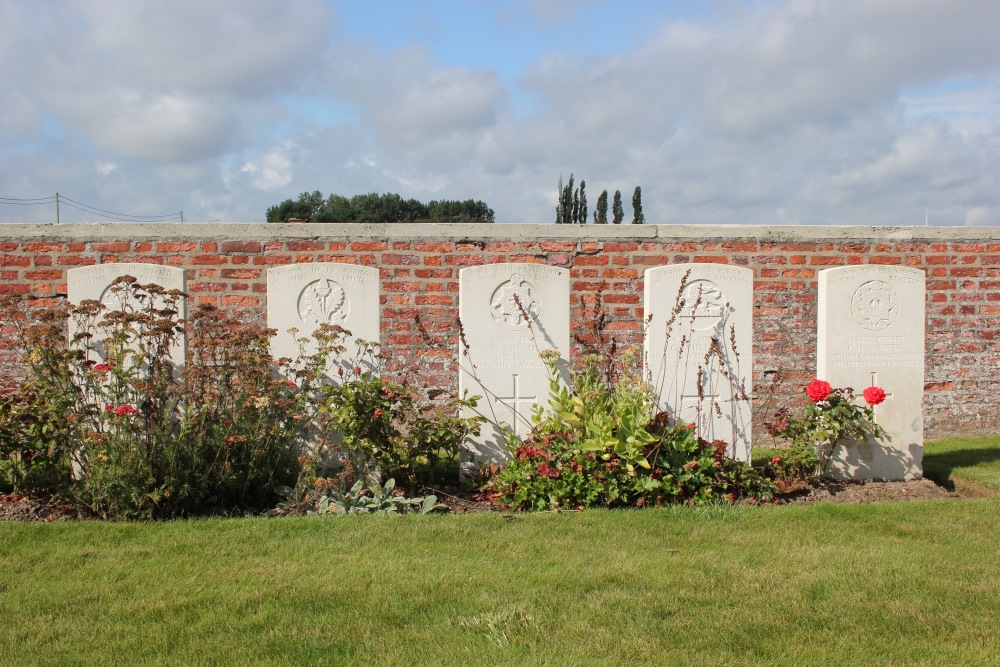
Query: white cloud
x,y
105,168
272,170
806,111
983,215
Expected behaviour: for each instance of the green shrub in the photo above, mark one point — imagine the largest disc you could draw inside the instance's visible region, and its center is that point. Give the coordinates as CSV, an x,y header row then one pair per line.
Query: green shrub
x,y
599,444
147,440
383,424
833,419
144,439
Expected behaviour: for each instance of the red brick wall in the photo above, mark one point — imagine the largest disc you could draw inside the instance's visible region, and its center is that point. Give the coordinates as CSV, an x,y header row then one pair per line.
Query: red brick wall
x,y
226,266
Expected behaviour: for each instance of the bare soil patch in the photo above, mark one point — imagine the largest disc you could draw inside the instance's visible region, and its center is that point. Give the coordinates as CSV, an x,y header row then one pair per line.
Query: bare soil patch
x,y
829,491
14,508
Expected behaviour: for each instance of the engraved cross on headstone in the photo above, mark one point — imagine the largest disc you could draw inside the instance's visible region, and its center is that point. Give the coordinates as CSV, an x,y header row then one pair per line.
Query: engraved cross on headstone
x,y
695,400
512,403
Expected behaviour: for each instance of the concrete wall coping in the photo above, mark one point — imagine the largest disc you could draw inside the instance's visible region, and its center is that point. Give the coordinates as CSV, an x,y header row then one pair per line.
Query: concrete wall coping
x,y
110,231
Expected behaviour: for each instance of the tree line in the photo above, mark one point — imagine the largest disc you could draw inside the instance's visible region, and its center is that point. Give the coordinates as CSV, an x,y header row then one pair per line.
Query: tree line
x,y
373,207
571,208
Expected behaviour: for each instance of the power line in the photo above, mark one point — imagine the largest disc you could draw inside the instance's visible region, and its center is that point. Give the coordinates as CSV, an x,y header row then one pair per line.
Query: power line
x,y
94,209
26,202
58,199
118,218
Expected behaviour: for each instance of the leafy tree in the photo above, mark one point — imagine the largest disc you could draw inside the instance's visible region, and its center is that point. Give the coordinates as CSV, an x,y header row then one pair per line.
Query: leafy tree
x,y
637,217
303,208
374,207
617,209
470,210
582,217
601,212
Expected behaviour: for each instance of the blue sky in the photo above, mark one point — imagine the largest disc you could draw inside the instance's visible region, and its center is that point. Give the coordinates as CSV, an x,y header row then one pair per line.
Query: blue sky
x,y
730,112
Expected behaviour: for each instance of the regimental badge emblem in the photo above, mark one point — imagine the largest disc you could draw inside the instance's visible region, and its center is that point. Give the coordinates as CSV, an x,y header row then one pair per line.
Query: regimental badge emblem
x,y
505,300
875,305
323,301
704,304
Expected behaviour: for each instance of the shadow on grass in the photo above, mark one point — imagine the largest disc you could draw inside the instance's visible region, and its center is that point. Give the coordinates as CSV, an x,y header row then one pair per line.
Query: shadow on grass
x,y
938,466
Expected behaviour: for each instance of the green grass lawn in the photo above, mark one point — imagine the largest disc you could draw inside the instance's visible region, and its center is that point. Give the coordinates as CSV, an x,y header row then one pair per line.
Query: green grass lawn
x,y
887,584
971,465
913,583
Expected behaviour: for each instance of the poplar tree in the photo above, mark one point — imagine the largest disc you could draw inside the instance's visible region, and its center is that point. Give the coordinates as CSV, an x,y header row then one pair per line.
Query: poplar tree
x,y
583,202
616,208
567,202
559,204
637,217
601,212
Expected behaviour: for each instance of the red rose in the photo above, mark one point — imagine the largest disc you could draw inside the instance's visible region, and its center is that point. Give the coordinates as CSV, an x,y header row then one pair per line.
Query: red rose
x,y
776,459
874,395
124,410
818,390
378,413
290,384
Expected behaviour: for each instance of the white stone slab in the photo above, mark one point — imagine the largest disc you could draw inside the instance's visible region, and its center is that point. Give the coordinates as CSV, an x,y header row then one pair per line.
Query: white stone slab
x,y
304,296
94,282
503,365
717,305
871,332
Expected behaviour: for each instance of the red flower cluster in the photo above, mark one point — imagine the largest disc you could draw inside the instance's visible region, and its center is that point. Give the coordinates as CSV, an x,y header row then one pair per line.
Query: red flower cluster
x,y
818,390
545,471
874,395
377,413
104,368
120,410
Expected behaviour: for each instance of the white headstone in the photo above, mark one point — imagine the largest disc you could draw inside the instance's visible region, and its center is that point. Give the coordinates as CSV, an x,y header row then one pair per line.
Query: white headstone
x,y
871,332
304,296
509,313
94,282
692,310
